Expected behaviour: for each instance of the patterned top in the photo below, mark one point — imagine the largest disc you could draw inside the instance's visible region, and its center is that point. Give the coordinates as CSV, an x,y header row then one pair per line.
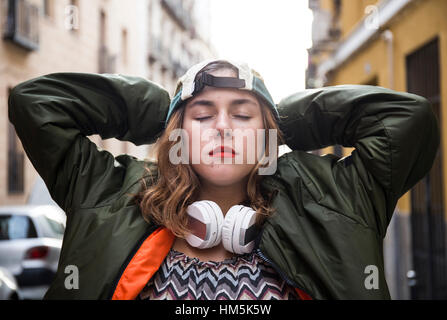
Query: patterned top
x,y
242,277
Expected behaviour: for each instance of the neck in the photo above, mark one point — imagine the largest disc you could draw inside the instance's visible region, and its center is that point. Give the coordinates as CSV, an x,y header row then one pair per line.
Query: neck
x,y
224,196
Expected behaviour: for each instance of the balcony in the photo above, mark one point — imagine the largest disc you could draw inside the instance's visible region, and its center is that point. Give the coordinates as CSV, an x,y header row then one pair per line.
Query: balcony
x,y
176,9
22,24
106,61
167,57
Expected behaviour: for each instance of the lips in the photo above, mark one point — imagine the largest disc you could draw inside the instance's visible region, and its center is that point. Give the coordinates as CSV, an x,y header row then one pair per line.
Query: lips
x,y
222,151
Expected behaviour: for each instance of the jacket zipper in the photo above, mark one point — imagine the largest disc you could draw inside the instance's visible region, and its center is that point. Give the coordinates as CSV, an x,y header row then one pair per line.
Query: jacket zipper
x,y
280,272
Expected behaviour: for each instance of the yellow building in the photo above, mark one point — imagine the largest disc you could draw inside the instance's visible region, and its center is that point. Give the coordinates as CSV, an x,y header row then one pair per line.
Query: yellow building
x,y
402,45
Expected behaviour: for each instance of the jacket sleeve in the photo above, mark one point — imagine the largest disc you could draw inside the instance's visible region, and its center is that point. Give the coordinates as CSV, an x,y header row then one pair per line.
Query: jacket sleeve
x,y
395,134
53,115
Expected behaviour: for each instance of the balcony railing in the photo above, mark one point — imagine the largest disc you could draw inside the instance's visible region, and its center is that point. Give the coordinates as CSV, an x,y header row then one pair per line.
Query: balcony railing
x,y
22,24
106,61
162,53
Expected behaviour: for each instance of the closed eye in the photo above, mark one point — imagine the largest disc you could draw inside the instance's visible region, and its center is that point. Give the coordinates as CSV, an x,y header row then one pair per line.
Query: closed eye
x,y
243,117
237,116
203,118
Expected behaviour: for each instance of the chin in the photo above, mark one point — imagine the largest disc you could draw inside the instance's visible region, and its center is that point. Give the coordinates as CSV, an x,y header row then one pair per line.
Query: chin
x,y
222,175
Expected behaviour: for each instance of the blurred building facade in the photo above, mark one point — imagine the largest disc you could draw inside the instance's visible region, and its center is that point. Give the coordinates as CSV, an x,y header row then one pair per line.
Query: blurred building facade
x,y
398,44
179,36
155,39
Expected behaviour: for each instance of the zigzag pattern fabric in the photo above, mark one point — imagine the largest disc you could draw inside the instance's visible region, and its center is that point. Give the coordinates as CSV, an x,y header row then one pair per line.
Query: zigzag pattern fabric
x,y
243,277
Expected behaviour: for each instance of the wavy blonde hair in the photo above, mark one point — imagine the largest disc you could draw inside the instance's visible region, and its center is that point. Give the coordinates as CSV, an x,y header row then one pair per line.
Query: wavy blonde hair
x,y
165,200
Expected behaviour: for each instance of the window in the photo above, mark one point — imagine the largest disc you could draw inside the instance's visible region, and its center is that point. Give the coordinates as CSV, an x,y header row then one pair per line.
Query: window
x,y
57,227
22,24
337,8
49,227
124,45
106,60
48,8
72,16
102,28
14,227
15,162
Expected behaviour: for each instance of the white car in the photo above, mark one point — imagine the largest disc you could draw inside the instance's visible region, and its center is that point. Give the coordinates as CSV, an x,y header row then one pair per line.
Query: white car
x,y
30,245
8,285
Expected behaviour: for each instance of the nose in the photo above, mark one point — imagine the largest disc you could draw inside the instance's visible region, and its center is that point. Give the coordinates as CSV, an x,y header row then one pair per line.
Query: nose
x,y
223,125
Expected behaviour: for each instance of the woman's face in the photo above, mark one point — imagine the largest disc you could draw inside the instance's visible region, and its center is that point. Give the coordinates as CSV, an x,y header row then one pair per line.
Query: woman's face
x,y
235,115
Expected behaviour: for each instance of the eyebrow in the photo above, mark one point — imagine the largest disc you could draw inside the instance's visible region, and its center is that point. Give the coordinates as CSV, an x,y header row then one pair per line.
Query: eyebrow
x,y
209,103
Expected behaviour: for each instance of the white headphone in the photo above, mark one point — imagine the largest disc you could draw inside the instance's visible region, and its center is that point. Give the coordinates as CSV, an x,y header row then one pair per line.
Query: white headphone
x,y
237,230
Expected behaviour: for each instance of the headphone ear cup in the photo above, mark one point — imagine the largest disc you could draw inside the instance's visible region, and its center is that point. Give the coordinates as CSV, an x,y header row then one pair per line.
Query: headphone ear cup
x,y
229,227
239,229
209,214
245,239
216,223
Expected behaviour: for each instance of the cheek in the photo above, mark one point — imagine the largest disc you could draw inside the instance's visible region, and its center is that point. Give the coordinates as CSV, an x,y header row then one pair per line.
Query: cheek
x,y
251,144
196,145
193,140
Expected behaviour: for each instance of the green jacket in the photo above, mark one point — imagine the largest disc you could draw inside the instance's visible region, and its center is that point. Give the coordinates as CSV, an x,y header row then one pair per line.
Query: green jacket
x,y
332,213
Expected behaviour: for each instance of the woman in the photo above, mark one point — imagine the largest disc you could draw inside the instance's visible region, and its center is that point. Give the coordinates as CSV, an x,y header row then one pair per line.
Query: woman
x,y
229,111
321,220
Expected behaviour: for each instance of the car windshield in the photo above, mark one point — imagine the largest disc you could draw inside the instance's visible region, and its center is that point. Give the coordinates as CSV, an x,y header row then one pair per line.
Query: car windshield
x,y
16,227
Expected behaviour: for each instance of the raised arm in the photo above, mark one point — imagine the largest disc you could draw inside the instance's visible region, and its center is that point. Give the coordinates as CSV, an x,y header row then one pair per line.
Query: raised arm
x,y
54,114
395,134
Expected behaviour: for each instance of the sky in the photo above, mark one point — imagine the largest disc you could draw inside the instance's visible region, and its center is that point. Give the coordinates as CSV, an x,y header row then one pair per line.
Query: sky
x,y
271,36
